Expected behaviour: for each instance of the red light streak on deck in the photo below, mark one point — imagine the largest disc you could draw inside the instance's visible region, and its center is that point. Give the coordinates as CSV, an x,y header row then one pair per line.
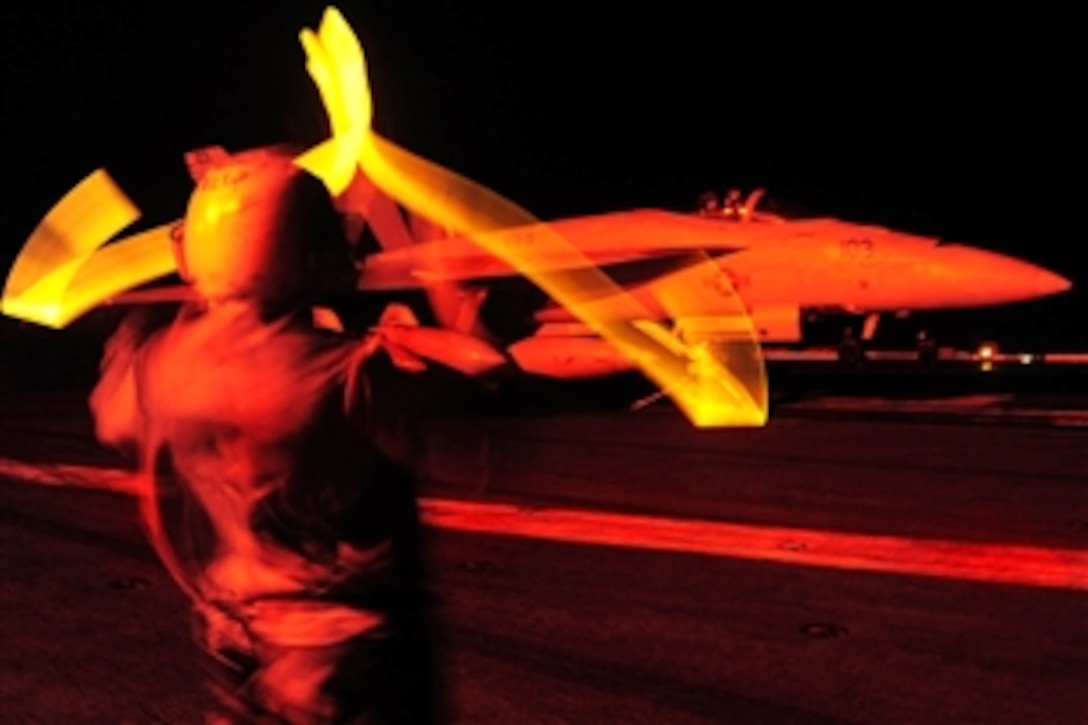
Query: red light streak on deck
x,y
997,563
946,559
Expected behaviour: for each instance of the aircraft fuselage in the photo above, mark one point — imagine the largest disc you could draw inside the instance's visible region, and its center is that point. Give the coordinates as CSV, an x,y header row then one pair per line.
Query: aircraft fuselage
x,y
767,269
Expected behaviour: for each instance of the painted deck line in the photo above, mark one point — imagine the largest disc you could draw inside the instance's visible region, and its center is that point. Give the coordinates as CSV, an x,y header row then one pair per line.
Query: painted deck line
x,y
947,559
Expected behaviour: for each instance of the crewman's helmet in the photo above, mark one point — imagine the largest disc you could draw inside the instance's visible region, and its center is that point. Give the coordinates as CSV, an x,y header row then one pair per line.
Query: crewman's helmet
x,y
259,227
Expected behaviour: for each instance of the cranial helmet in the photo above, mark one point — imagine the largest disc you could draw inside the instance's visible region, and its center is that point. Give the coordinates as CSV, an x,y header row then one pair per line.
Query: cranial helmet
x,y
259,227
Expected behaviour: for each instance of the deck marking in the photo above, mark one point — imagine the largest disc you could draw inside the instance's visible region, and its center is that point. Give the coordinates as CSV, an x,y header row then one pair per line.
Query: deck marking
x,y
947,559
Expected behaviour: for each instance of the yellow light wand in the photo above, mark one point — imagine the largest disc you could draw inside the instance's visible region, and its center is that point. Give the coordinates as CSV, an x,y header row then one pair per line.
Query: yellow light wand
x,y
693,374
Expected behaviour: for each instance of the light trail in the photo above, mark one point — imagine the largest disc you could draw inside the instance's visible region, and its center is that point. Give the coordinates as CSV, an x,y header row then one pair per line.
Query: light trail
x,y
694,373
992,563
67,268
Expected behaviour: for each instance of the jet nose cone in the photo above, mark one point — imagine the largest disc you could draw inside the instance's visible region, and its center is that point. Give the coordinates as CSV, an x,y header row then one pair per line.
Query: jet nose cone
x,y
1049,283
990,278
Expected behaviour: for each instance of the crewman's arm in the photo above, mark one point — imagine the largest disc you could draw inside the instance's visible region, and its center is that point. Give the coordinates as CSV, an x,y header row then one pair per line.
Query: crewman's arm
x,y
114,401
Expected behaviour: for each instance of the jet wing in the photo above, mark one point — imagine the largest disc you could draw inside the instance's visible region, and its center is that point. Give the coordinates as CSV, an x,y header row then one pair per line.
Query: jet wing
x,y
604,240
416,266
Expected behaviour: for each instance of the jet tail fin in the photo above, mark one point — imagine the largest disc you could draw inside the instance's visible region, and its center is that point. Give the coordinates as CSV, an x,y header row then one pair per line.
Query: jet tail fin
x,y
362,204
456,306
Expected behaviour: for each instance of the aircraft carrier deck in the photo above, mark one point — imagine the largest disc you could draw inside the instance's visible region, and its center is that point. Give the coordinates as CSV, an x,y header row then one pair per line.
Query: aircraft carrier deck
x,y
854,561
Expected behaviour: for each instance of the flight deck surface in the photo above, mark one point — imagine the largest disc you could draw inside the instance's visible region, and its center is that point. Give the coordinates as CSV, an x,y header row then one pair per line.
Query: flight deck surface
x,y
886,569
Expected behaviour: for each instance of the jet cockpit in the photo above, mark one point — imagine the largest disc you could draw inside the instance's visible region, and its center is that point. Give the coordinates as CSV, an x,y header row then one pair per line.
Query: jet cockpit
x,y
733,206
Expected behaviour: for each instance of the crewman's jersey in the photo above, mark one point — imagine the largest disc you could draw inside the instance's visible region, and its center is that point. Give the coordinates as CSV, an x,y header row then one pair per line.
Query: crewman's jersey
x,y
267,497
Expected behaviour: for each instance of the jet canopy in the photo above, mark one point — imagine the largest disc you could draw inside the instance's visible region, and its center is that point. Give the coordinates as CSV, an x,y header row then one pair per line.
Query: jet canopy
x,y
756,207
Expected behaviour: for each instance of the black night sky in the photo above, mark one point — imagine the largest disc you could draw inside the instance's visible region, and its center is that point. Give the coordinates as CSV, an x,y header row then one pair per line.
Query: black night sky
x,y
967,128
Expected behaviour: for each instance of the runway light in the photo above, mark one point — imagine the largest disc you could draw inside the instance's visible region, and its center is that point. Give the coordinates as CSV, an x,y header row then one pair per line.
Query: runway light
x,y
986,354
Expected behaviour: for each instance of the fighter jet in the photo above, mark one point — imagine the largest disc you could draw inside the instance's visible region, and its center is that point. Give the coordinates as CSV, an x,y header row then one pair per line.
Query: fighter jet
x,y
743,272
784,270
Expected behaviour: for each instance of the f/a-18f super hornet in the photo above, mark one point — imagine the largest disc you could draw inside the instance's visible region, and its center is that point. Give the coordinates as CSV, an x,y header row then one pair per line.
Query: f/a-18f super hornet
x,y
740,269
782,269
